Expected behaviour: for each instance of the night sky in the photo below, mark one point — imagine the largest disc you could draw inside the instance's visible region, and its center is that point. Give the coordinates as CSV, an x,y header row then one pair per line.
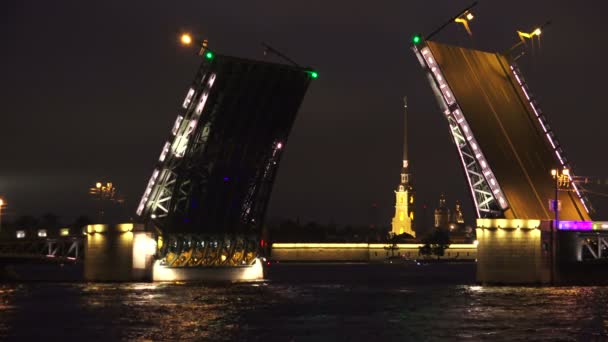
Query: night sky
x,y
89,90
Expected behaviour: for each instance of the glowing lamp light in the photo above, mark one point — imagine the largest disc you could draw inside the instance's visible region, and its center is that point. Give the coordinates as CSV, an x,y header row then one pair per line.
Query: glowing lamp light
x,y
537,32
186,39
416,39
209,55
98,185
279,146
470,16
1,202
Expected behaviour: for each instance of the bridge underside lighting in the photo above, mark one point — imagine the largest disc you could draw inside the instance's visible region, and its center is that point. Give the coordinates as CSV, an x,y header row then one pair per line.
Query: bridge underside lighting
x,y
506,223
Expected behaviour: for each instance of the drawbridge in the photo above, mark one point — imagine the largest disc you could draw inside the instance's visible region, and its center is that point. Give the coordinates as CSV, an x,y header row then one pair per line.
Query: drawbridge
x,y
505,144
209,191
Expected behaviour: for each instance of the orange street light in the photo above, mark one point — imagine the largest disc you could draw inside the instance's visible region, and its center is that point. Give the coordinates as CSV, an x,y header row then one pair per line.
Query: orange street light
x,y
186,39
1,204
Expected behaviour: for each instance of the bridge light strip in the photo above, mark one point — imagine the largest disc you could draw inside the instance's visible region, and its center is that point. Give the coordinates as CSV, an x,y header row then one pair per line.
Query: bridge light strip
x,y
180,142
188,98
178,121
149,187
163,154
508,223
427,56
548,135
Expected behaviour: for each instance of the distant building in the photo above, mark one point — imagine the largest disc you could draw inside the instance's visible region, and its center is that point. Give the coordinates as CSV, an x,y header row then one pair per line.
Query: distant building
x,y
442,214
452,221
458,217
404,197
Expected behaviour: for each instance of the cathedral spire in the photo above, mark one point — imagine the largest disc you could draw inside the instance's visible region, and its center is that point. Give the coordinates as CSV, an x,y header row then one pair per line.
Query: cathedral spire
x,y
405,168
404,197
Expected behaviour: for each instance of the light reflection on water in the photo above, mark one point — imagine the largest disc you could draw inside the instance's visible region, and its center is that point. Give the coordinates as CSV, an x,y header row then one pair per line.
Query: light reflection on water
x,y
294,311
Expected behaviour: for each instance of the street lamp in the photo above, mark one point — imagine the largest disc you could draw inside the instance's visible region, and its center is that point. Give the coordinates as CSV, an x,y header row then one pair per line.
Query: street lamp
x,y
561,180
530,35
186,39
464,20
103,192
1,204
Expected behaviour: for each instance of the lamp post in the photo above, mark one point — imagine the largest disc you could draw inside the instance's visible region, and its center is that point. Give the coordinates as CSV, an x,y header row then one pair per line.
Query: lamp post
x,y
561,179
187,39
1,204
103,192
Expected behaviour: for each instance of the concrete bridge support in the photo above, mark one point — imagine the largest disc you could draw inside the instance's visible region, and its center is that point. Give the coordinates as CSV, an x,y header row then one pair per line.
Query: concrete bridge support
x,y
122,252
514,252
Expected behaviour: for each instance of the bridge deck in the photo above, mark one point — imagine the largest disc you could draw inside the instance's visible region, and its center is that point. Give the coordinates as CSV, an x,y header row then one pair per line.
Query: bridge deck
x,y
507,130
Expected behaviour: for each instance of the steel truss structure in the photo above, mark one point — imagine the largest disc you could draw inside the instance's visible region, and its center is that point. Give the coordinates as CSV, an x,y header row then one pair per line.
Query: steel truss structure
x,y
595,246
60,249
215,173
485,190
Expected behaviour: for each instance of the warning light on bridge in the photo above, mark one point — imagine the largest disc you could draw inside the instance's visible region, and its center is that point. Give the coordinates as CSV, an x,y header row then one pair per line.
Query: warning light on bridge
x,y
417,39
313,74
209,55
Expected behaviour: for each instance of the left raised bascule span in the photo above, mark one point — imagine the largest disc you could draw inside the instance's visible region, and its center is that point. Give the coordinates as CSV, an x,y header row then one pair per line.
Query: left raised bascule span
x,y
209,190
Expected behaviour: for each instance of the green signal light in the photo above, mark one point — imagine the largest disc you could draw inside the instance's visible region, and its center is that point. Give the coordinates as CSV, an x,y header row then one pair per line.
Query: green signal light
x,y
209,55
312,73
416,39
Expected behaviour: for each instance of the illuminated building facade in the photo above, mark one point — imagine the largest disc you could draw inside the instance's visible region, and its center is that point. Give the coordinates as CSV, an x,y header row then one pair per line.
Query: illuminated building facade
x,y
444,218
404,198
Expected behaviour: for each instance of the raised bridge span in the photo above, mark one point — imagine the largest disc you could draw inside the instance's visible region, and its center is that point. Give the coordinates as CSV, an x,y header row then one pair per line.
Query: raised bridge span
x,y
505,143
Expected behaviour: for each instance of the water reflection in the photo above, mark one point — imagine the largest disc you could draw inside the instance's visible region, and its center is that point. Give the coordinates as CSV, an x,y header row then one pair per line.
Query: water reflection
x,y
284,311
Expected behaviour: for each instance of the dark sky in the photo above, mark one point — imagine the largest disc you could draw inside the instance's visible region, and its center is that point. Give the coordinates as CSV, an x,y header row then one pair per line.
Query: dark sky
x,y
89,90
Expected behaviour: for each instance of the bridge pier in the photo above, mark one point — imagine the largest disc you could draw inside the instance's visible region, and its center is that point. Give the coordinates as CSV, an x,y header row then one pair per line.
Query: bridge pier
x,y
535,252
122,252
515,252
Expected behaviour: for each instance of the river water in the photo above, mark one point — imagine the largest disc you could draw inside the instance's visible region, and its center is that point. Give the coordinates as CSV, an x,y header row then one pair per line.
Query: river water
x,y
306,303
